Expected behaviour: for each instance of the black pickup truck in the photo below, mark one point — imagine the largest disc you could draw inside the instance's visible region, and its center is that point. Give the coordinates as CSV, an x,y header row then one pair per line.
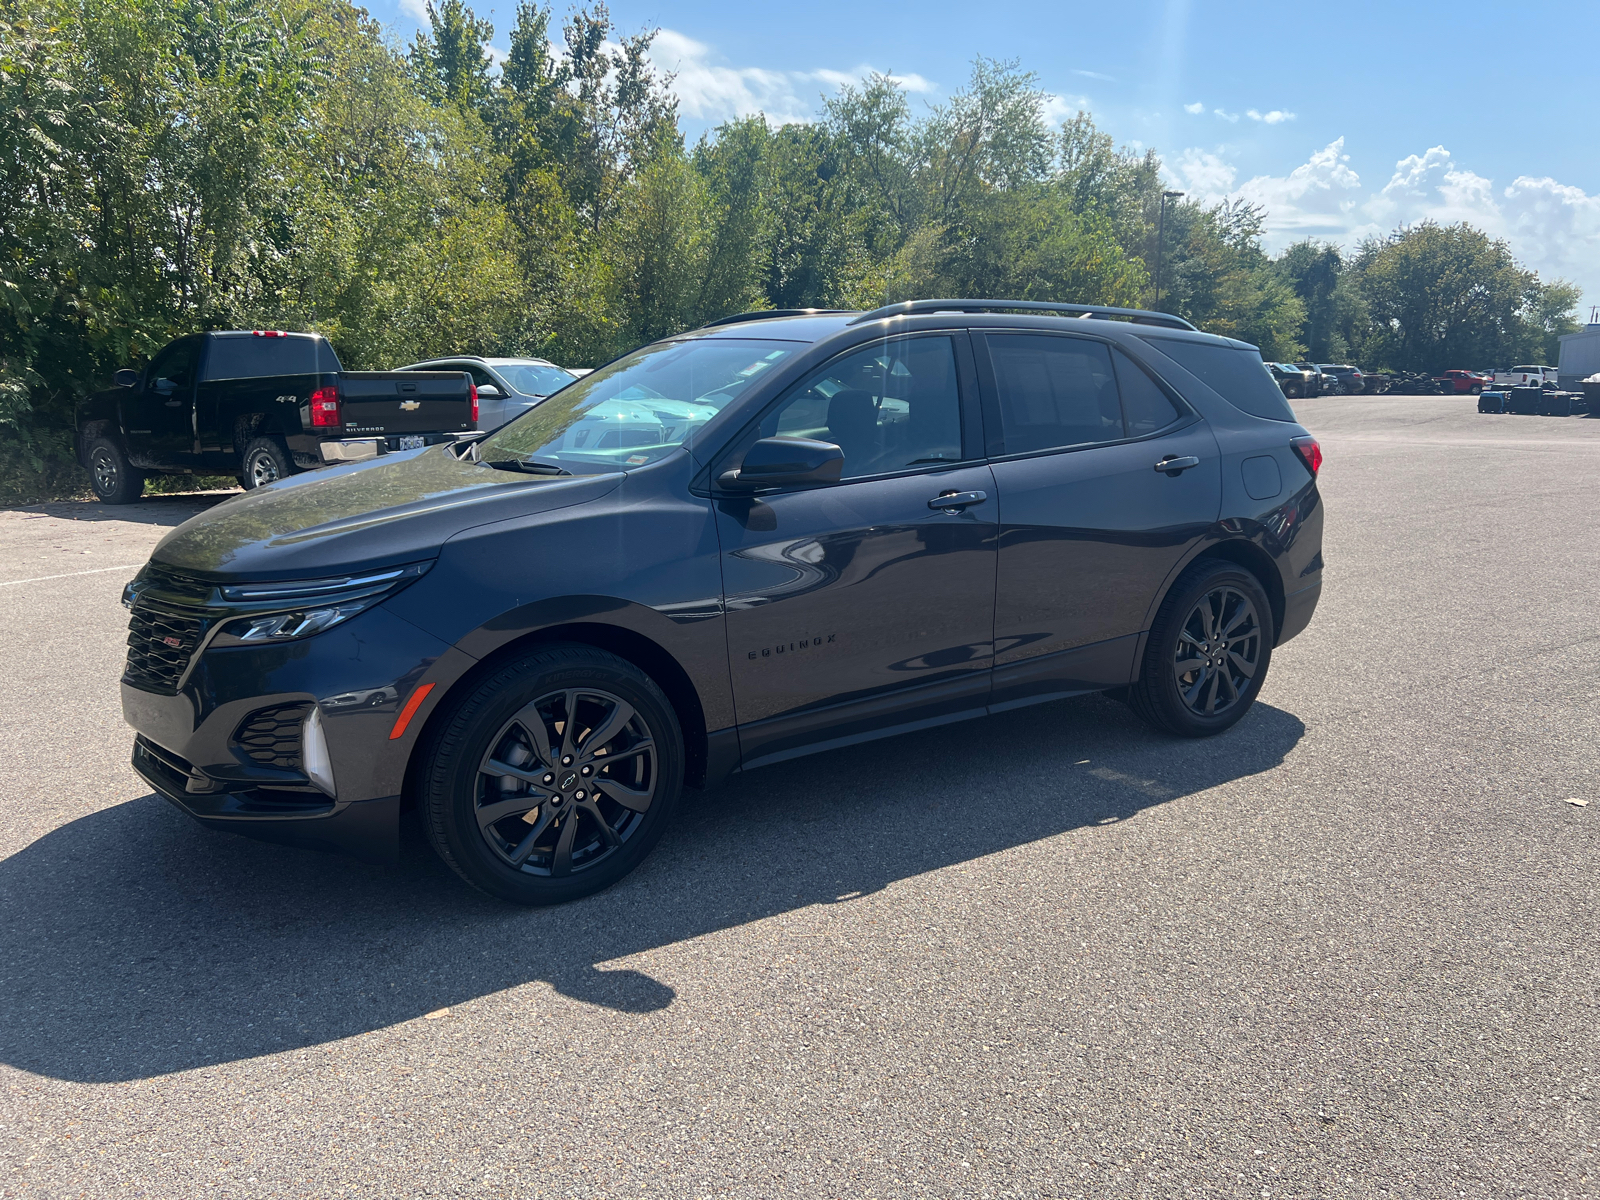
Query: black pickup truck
x,y
259,405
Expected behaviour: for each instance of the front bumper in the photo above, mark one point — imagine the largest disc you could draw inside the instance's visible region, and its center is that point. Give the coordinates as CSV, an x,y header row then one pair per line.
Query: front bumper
x,y
194,746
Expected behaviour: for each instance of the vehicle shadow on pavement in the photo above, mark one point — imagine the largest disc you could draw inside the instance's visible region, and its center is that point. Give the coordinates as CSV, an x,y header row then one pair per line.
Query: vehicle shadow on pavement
x,y
170,509
136,943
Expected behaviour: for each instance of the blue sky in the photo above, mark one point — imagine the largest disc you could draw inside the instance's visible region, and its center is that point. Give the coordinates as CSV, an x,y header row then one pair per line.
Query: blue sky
x,y
1341,119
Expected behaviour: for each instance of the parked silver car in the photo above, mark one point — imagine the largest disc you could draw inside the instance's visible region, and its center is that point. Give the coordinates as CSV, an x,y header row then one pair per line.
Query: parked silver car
x,y
507,387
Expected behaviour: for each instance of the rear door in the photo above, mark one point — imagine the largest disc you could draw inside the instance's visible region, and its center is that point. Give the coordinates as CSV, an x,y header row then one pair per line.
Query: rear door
x,y
1090,528
159,416
866,604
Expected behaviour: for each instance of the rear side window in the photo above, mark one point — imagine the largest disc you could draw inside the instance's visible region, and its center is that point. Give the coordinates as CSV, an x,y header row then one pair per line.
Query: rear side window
x,y
1145,407
254,357
1238,376
1054,391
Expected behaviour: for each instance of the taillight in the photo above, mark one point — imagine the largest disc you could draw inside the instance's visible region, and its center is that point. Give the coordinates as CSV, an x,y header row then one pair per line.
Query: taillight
x,y
1310,453
472,390
269,333
325,408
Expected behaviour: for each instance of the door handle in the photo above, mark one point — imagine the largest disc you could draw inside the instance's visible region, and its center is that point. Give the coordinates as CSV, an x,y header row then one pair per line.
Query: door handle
x,y
1174,465
956,501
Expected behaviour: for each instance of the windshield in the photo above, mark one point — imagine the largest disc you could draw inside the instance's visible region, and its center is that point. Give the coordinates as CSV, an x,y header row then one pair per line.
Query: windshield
x,y
535,379
640,408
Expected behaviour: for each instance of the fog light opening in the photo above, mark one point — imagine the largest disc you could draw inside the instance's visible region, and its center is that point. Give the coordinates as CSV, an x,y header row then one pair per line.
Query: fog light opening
x,y
314,752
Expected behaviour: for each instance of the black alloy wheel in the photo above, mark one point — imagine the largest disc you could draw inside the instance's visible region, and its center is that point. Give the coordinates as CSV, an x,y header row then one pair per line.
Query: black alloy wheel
x,y
1208,651
112,478
566,782
554,777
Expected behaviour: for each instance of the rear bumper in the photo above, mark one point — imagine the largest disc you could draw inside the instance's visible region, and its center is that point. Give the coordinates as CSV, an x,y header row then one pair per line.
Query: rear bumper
x,y
1297,610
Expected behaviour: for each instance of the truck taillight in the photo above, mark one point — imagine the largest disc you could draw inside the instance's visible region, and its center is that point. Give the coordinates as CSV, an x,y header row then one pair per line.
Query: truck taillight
x,y
325,408
269,333
472,390
1310,453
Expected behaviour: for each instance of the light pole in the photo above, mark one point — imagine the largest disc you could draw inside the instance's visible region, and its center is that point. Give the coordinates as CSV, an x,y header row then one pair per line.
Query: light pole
x,y
1161,241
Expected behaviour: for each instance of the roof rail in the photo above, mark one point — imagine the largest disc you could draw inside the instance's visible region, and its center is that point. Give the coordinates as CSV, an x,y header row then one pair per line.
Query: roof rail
x,y
766,314
1138,316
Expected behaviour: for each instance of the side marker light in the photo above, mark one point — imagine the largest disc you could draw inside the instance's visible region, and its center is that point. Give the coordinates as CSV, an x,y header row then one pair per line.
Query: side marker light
x,y
409,711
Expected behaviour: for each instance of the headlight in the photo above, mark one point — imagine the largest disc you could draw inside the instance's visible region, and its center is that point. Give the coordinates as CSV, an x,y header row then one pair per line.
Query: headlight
x,y
303,607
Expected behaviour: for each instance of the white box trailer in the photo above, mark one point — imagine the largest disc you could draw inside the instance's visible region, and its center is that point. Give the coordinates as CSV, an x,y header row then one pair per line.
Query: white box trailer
x,y
1580,357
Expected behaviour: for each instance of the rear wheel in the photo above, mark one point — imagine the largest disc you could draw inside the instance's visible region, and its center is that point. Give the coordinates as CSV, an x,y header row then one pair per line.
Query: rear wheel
x,y
1208,652
113,479
266,460
554,777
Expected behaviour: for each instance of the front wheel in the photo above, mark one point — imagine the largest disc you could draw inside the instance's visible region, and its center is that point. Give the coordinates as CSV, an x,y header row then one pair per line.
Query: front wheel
x,y
112,478
554,777
1208,652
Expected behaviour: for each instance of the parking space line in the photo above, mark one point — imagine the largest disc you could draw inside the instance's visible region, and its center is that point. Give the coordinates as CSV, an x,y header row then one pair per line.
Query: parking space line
x,y
70,574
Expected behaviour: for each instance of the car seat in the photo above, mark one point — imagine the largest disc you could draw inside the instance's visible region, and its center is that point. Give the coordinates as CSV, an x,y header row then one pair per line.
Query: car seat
x,y
853,427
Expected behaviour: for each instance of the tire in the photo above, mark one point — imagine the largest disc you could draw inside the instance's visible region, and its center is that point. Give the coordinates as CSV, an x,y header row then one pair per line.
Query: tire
x,y
111,477
1339,389
265,460
1203,701
1476,390
561,853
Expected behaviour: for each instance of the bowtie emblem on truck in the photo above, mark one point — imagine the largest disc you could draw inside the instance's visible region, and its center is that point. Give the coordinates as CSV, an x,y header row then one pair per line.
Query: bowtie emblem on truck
x,y
410,405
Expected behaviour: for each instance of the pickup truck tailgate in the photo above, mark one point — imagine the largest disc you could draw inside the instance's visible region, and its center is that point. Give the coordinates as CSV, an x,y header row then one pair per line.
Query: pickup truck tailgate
x,y
391,402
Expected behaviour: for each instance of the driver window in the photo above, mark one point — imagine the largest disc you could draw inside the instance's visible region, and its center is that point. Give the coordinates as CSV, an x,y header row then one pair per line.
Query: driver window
x,y
889,406
174,367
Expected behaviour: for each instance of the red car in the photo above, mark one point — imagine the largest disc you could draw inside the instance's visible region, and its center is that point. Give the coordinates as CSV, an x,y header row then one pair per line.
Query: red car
x,y
1462,381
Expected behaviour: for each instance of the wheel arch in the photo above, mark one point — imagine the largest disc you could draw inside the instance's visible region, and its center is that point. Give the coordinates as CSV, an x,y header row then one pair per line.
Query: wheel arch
x,y
643,652
1251,557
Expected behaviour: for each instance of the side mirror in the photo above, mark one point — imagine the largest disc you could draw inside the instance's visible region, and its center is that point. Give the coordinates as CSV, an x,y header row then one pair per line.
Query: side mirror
x,y
785,462
488,389
126,378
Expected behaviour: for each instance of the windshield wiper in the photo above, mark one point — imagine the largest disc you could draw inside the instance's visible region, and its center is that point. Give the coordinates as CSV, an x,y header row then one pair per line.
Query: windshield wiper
x,y
527,466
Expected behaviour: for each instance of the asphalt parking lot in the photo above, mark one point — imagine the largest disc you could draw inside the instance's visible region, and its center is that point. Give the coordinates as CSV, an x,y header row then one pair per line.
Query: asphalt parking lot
x,y
1347,949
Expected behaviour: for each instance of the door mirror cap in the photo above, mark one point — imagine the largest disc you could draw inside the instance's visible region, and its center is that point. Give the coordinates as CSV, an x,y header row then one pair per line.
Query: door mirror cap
x,y
785,462
488,389
126,378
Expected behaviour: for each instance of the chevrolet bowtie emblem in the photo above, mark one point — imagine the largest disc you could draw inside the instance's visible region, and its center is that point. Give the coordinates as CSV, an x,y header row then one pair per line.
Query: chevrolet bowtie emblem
x,y
410,405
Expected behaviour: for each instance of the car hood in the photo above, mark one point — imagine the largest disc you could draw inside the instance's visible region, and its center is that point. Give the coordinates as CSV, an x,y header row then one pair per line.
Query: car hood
x,y
393,509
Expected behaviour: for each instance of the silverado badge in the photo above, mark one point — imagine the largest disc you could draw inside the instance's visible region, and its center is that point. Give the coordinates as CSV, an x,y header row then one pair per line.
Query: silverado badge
x,y
410,405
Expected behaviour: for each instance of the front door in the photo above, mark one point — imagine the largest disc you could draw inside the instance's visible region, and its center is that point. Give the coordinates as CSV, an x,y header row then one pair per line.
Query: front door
x,y
865,605
1090,529
159,416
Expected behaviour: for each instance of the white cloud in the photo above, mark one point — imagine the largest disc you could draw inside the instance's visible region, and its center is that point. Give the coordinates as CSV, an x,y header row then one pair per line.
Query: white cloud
x,y
1095,75
1196,108
1063,108
415,8
1226,116
1551,227
712,91
1276,116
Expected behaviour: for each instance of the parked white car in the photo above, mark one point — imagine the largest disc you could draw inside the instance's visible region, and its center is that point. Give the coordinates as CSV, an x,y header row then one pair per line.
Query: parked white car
x,y
1526,377
507,387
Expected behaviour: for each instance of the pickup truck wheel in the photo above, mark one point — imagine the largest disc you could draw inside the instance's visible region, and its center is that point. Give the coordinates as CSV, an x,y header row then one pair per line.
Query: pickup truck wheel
x,y
113,479
266,460
554,777
1208,652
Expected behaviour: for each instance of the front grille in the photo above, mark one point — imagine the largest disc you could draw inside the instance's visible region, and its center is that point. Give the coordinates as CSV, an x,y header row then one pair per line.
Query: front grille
x,y
167,626
271,736
160,644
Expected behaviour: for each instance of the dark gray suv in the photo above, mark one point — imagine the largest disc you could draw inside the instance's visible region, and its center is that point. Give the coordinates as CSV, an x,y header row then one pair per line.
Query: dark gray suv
x,y
776,535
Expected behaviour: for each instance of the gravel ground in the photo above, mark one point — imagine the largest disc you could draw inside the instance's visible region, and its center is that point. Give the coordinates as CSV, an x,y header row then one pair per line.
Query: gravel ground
x,y
1347,949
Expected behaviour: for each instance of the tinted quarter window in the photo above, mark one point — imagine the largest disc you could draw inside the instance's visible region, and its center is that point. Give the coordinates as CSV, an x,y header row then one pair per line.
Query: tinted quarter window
x,y
1145,407
1238,376
889,406
1054,391
252,357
